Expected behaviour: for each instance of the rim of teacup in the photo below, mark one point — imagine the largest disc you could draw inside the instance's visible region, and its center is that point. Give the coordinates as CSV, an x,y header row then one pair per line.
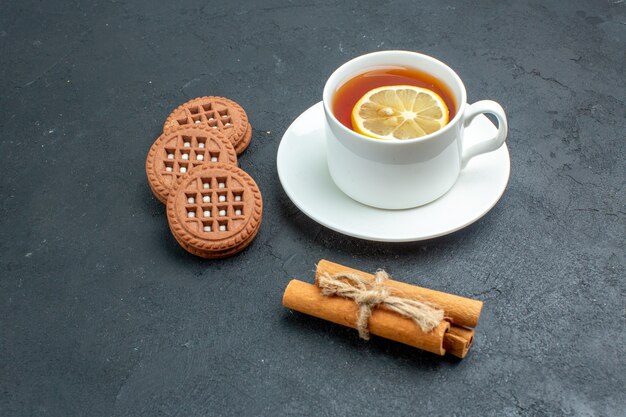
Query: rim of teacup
x,y
341,74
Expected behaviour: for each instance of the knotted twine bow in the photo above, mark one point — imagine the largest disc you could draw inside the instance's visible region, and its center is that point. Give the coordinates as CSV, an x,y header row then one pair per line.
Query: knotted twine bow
x,y
370,295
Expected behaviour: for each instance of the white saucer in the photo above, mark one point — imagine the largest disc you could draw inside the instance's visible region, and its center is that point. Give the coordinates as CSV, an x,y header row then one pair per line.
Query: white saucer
x,y
303,172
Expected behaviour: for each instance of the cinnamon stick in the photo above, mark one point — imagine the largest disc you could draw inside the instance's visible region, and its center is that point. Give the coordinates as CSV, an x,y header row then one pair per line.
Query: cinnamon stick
x,y
458,341
308,299
461,311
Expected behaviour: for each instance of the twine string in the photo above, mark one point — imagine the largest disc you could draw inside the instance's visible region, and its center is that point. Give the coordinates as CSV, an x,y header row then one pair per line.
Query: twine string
x,y
369,295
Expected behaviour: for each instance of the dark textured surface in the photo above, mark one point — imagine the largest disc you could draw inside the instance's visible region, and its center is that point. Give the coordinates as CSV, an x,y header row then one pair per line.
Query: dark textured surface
x,y
103,314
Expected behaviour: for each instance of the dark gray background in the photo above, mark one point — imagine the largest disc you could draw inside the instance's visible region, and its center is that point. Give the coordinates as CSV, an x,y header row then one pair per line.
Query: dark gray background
x,y
103,314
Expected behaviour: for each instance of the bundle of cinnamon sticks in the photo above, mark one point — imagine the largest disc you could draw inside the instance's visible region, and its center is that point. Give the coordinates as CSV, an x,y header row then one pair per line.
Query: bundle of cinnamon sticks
x,y
453,335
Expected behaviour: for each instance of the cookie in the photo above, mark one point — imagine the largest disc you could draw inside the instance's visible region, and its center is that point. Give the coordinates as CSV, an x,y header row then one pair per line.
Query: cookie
x,y
215,210
216,113
181,149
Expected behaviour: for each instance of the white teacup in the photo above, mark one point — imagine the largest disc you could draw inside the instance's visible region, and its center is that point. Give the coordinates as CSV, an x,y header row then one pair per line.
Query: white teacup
x,y
404,173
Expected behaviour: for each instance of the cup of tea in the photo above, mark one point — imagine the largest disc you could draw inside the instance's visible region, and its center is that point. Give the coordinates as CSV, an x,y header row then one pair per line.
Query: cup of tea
x,y
371,154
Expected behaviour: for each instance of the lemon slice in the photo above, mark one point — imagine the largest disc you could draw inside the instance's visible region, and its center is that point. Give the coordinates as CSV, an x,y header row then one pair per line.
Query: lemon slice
x,y
399,112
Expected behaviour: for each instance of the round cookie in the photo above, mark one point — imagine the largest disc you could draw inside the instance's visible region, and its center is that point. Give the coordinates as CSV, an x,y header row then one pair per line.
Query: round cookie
x,y
181,149
215,210
216,113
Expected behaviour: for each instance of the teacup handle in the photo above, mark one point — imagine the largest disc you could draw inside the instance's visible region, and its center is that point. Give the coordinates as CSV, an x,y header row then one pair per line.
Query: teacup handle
x,y
491,144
